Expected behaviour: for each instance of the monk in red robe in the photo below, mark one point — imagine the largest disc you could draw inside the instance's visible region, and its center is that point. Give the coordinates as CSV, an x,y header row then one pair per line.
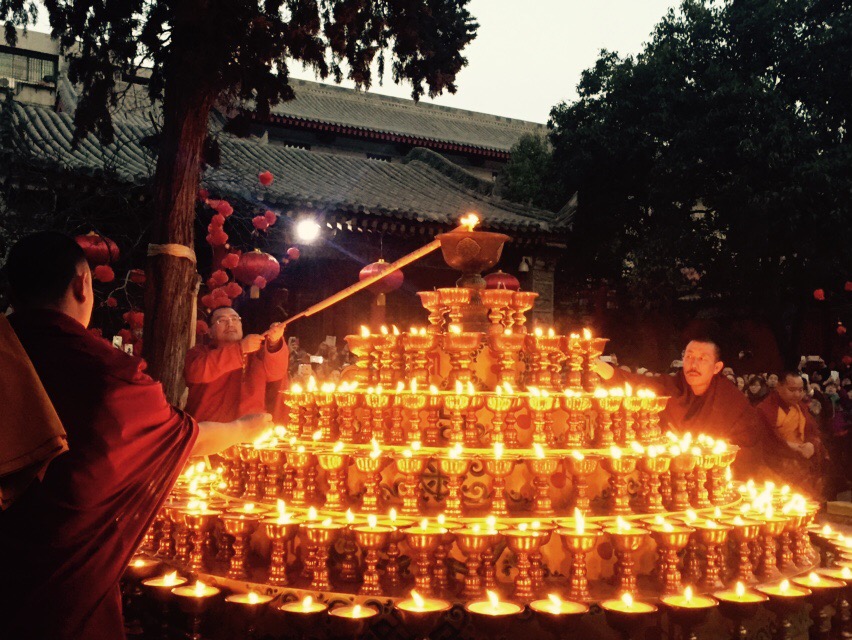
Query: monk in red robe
x,y
703,401
66,540
229,377
801,458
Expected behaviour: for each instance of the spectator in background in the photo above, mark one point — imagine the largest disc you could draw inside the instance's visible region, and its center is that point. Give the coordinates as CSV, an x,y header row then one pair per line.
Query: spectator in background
x,y
757,389
772,381
741,383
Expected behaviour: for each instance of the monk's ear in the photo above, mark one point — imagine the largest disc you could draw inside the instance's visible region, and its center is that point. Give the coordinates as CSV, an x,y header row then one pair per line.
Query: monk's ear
x,y
81,285
718,367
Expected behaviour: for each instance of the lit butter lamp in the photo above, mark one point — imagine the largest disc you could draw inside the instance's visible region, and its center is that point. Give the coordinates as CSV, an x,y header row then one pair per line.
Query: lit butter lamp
x,y
304,615
843,616
195,600
627,615
688,610
421,615
738,605
160,589
824,593
141,568
785,600
556,616
492,615
249,607
352,621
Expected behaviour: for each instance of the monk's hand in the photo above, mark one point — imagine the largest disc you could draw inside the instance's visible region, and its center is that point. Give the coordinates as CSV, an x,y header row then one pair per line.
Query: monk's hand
x,y
275,334
255,426
807,450
251,343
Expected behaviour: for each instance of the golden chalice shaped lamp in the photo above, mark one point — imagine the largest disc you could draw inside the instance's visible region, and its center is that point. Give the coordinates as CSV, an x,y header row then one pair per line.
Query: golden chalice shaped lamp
x,y
522,301
626,540
471,252
431,301
578,538
671,539
619,466
498,302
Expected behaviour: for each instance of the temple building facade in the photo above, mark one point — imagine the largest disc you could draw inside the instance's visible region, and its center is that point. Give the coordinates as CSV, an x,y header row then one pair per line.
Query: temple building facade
x,y
381,176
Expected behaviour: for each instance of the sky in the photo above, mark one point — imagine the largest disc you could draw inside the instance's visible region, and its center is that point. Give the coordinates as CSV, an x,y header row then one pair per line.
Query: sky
x,y
528,54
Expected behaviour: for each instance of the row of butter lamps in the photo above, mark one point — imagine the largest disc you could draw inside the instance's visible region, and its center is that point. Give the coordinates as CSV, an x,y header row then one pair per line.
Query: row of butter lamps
x,y
420,615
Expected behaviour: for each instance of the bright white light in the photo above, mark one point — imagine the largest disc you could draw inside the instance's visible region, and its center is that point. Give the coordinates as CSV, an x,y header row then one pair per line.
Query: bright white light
x,y
307,230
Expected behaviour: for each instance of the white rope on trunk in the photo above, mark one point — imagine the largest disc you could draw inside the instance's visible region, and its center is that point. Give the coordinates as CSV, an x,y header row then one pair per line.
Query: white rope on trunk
x,y
176,250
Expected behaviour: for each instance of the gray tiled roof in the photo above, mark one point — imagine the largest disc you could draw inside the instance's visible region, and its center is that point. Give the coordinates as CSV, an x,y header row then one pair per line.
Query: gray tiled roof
x,y
374,112
425,188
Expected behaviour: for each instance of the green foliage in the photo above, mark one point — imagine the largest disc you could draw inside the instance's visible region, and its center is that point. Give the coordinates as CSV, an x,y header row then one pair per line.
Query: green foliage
x,y
240,49
741,108
523,178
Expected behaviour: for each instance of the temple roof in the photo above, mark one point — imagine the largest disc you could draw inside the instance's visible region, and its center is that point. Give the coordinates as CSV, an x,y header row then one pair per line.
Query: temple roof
x,y
424,188
360,112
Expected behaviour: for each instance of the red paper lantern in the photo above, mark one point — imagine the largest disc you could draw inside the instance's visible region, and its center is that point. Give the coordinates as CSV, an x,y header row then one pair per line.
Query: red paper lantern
x,y
847,360
293,253
260,223
233,290
219,278
230,261
201,328
819,294
391,282
501,280
111,302
136,319
841,330
203,195
848,286
218,238
256,264
103,273
98,248
224,208
271,217
217,221
207,301
137,276
265,178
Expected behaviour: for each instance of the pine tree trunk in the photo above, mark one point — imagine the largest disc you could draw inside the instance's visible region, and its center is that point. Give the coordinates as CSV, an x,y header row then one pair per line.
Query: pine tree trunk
x,y
171,280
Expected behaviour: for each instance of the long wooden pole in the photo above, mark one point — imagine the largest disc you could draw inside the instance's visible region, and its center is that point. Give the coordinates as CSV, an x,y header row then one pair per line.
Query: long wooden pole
x,y
363,284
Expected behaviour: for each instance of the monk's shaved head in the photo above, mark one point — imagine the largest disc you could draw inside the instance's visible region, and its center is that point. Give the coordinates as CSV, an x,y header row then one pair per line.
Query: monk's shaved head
x,y
41,267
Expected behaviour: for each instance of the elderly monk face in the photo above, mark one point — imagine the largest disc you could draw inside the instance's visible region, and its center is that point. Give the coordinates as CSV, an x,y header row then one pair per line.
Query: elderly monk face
x,y
700,363
226,326
791,389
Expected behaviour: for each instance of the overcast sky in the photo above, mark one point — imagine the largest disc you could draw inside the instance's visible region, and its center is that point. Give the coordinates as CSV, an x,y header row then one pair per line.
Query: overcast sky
x,y
528,54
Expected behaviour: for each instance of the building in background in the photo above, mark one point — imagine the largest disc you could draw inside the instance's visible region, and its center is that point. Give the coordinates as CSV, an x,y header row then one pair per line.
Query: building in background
x,y
381,175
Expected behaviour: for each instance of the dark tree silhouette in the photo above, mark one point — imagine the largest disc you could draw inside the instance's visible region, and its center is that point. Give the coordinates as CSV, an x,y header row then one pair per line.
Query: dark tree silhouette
x,y
222,52
717,159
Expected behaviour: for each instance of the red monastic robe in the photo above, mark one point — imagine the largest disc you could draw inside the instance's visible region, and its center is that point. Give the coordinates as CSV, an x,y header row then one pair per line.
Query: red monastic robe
x,y
721,412
225,385
65,543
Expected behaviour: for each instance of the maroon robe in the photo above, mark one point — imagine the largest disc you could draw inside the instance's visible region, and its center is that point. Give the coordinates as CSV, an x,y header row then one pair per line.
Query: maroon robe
x,y
721,412
65,543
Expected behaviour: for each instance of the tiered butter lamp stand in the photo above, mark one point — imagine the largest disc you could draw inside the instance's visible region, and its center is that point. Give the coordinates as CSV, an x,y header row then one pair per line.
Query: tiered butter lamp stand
x,y
476,463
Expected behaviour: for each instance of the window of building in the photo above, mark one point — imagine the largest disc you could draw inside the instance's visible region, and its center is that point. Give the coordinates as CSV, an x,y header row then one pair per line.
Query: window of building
x,y
27,66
